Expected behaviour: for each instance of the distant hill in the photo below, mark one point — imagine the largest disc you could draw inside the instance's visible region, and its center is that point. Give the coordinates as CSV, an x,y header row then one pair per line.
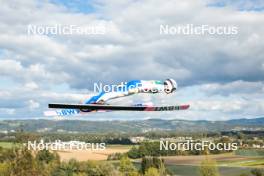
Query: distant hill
x,y
74,126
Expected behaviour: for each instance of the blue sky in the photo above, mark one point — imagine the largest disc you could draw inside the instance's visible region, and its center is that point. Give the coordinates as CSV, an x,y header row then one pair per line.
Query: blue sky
x,y
241,5
220,76
78,6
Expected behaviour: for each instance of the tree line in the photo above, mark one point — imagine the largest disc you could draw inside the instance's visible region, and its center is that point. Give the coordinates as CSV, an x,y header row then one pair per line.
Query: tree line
x,y
22,162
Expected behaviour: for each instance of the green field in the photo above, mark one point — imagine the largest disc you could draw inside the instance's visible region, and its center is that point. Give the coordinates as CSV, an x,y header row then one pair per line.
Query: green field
x,y
189,170
228,164
250,152
251,162
232,167
184,170
9,144
119,146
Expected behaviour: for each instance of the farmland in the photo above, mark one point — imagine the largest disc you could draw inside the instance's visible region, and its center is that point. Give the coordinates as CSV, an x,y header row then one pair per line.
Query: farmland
x,y
189,170
83,155
183,163
221,159
228,164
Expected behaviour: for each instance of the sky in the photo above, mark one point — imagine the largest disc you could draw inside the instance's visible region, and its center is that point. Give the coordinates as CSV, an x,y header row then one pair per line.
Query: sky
x,y
220,76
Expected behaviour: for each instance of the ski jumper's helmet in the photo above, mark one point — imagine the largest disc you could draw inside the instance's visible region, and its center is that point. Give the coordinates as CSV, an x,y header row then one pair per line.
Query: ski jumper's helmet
x,y
170,86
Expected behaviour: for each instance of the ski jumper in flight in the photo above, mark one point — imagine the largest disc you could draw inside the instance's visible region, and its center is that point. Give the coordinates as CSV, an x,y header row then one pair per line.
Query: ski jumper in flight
x,y
101,99
133,87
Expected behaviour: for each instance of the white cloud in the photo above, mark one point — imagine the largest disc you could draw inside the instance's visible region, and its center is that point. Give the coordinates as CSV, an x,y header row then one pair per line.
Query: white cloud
x,y
37,73
9,66
4,93
32,104
235,87
8,111
137,39
219,105
31,86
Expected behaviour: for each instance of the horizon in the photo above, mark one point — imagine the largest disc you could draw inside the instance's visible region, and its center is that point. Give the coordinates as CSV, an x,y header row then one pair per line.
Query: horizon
x,y
126,120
